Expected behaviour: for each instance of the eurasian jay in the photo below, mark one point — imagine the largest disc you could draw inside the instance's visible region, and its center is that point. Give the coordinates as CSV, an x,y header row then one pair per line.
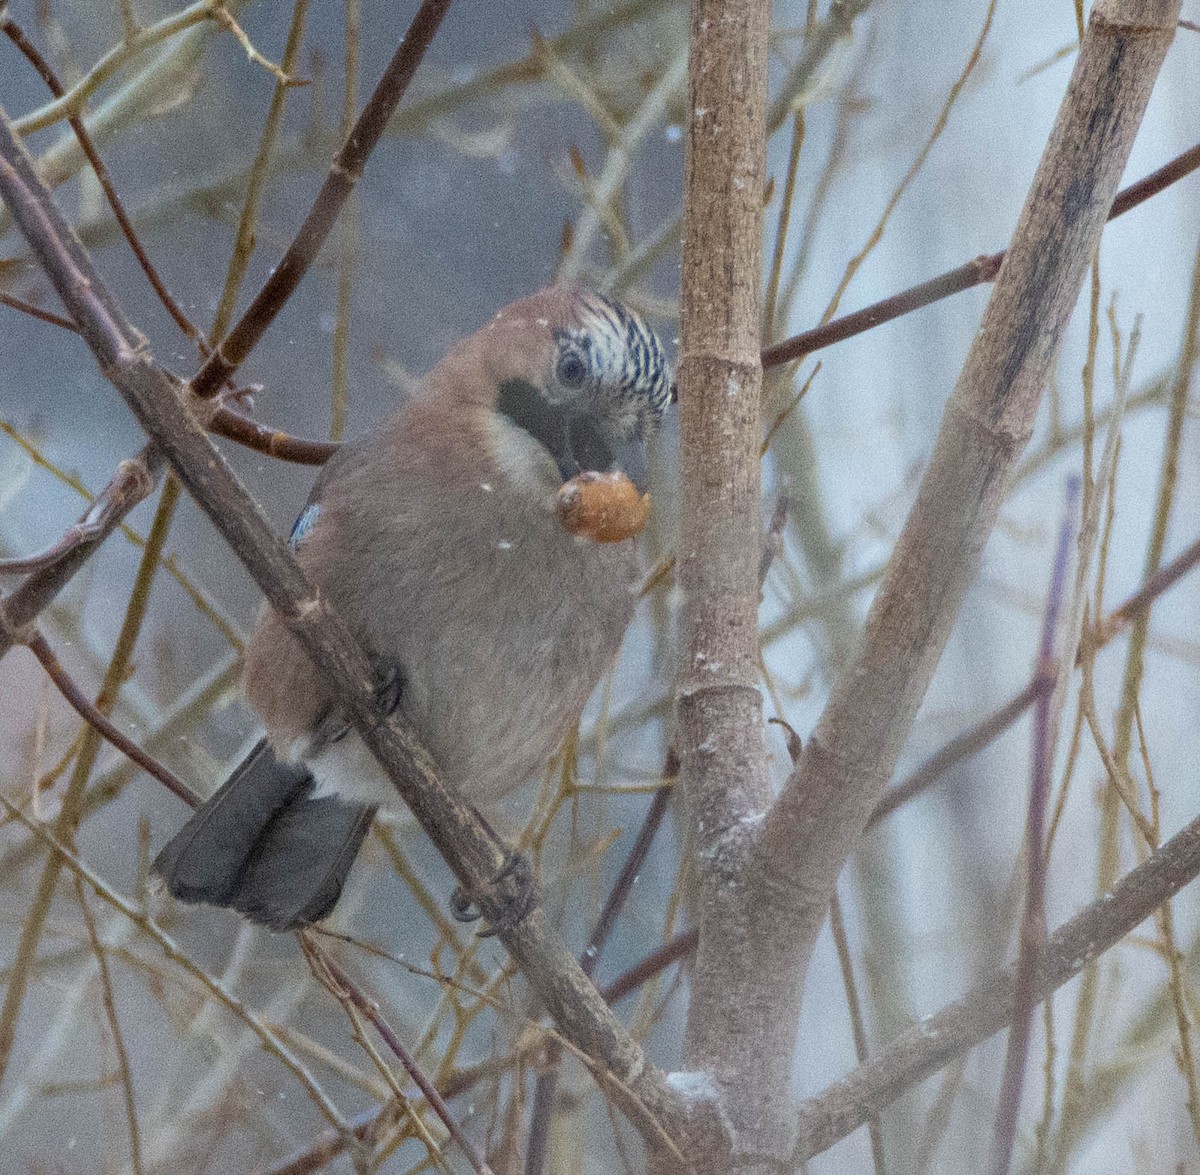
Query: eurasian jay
x,y
437,539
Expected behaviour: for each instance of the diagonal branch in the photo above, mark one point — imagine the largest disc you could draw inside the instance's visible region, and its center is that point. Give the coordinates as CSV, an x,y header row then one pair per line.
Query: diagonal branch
x,y
343,174
131,484
826,803
177,428
960,1026
975,272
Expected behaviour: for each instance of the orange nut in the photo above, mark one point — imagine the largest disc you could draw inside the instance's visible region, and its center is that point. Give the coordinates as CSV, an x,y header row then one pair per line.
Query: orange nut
x,y
604,507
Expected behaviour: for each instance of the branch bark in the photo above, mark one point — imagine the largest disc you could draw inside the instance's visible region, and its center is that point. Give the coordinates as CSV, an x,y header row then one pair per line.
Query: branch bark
x,y
735,1036
766,871
829,798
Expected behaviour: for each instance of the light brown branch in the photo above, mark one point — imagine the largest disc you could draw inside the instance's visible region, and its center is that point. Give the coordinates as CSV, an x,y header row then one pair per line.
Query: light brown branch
x,y
742,1048
826,804
941,1038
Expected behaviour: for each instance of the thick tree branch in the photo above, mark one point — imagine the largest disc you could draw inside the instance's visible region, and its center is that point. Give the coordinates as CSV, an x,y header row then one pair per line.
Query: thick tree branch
x,y
739,1030
826,804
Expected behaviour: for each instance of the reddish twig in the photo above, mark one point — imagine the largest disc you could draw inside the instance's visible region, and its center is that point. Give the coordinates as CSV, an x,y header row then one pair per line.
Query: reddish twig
x,y
346,989
15,34
972,741
678,948
976,272
36,312
344,172
226,422
1033,921
84,707
264,439
963,746
1164,578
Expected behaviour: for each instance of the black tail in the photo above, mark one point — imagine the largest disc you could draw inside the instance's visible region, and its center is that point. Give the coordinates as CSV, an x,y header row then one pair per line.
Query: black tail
x,y
262,845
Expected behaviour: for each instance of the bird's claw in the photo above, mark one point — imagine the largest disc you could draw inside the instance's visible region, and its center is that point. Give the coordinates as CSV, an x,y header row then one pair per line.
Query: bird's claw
x,y
390,688
513,889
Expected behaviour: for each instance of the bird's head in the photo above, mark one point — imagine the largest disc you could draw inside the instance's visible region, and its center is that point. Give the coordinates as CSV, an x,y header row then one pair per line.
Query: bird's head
x,y
583,377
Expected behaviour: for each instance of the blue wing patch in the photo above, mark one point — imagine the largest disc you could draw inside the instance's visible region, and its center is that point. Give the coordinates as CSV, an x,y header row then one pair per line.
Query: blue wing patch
x,y
304,524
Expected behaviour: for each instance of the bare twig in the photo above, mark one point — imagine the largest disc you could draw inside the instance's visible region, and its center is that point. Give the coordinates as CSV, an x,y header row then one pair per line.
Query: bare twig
x,y
973,273
36,312
972,741
1033,922
370,1010
149,927
73,101
46,71
961,747
114,1027
243,244
130,485
616,166
344,172
264,439
86,710
854,1009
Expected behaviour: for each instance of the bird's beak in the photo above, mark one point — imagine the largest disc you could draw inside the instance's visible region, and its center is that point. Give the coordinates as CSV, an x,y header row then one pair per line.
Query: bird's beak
x,y
574,439
588,447
629,458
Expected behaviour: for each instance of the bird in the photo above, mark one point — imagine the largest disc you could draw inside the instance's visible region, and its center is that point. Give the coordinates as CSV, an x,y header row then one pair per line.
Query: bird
x,y
489,623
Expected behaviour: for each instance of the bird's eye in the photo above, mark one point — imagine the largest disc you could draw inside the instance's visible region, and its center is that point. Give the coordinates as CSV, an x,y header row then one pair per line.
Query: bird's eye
x,y
572,370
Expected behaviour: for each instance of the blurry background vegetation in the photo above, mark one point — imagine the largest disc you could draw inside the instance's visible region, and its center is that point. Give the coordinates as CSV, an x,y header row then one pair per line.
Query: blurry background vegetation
x,y
545,140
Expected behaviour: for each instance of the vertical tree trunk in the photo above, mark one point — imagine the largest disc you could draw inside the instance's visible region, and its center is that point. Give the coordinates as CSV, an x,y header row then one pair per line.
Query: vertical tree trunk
x,y
733,1036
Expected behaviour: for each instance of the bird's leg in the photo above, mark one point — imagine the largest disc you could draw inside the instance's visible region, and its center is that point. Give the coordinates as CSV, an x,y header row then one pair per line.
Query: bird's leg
x,y
331,727
514,889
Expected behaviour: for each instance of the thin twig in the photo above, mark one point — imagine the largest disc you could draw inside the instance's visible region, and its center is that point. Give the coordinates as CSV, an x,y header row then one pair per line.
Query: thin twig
x,y
36,312
114,1027
79,702
46,71
344,172
73,101
177,955
226,19
1033,922
975,272
616,166
243,243
854,1010
370,1010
